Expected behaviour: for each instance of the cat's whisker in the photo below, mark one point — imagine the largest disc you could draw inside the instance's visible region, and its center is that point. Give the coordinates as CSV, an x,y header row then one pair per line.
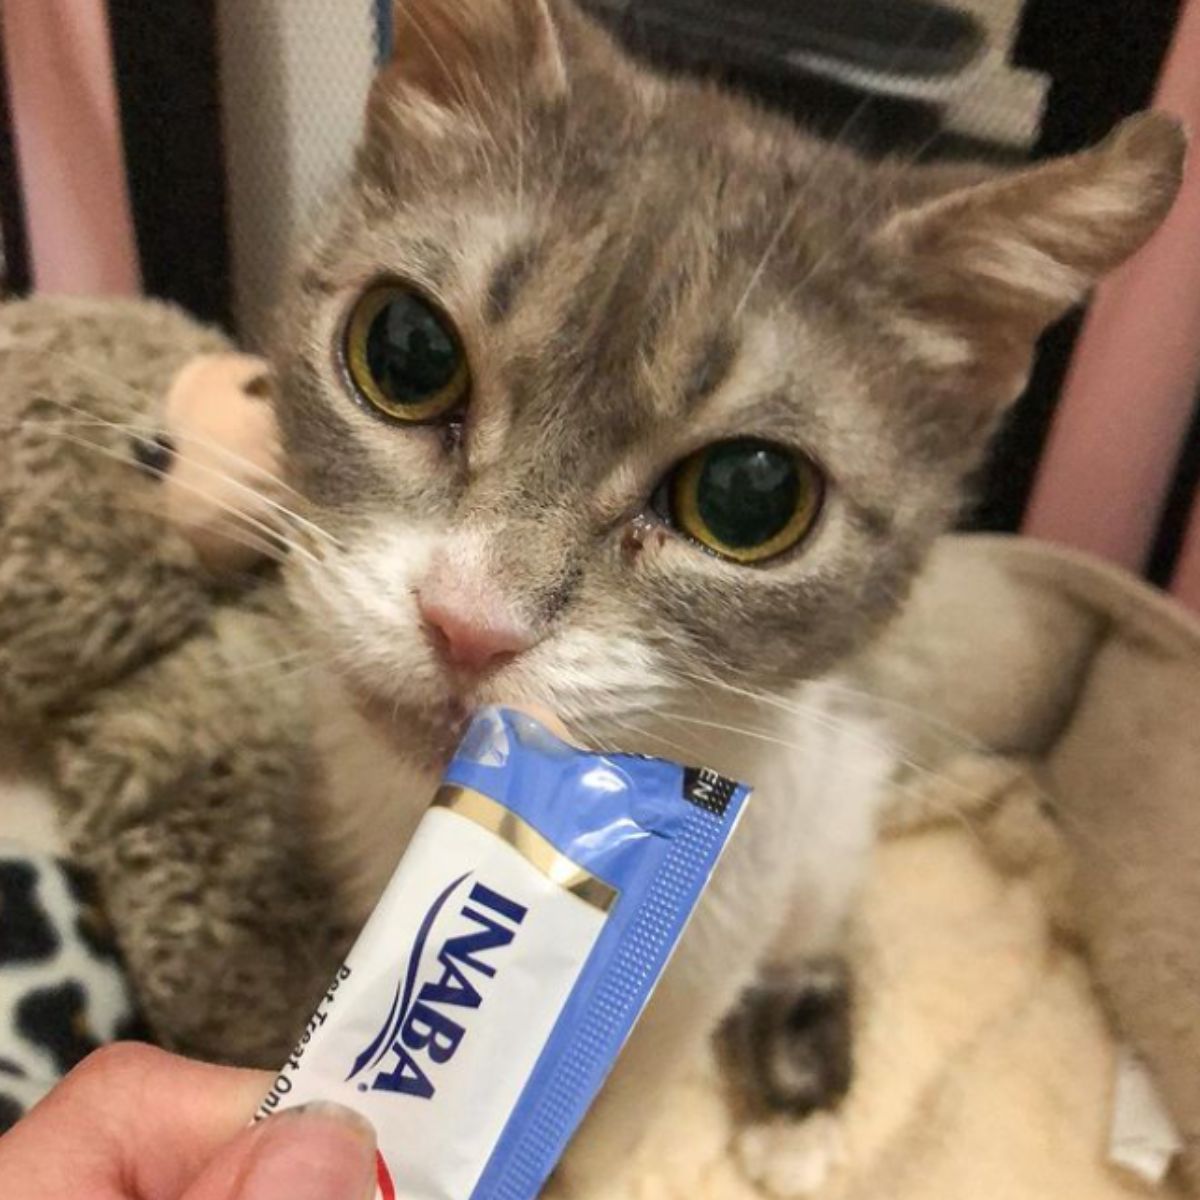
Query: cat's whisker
x,y
259,666
955,737
299,524
894,785
827,151
329,659
294,518
767,255
804,712
148,430
269,551
671,745
758,735
271,533
808,712
865,215
953,734
686,753
905,759
465,103
518,92
844,728
273,551
142,398
574,722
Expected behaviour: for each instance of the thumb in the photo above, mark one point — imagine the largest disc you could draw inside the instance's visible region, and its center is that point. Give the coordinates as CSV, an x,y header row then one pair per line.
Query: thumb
x,y
317,1152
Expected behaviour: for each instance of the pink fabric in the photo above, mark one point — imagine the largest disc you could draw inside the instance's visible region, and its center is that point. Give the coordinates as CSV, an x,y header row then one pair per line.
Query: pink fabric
x,y
1129,396
64,105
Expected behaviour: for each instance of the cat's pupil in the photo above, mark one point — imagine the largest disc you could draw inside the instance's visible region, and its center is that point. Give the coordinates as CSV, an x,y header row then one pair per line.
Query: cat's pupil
x,y
747,493
410,353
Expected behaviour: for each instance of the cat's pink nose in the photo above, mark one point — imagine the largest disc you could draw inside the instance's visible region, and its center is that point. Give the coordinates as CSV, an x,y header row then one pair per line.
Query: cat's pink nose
x,y
471,636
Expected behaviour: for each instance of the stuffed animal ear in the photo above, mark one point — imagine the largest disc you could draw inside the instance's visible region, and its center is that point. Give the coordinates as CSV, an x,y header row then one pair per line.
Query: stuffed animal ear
x,y
223,490
1005,256
468,58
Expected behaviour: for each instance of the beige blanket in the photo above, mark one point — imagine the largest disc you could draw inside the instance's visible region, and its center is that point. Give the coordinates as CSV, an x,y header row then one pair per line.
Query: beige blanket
x,y
1037,888
984,1063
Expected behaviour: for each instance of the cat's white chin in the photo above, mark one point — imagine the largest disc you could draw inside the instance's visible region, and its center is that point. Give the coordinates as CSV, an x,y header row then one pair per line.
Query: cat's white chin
x,y
425,729
422,731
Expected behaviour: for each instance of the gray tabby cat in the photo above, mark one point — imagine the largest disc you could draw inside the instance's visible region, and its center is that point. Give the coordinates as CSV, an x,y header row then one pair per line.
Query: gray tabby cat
x,y
624,396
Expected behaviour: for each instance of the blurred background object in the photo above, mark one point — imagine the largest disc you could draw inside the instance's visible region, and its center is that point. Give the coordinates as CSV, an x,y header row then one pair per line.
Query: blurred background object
x,y
234,118
891,76
294,82
63,101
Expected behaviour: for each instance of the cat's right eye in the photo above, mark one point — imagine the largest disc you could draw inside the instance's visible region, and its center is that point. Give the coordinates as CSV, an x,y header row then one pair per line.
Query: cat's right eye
x,y
404,357
745,499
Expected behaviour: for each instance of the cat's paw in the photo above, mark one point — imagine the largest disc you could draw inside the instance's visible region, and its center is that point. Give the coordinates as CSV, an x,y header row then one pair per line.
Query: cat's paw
x,y
787,1046
790,1159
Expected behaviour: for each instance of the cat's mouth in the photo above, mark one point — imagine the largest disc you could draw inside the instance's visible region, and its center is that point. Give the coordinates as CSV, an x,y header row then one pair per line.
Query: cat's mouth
x,y
427,732
424,713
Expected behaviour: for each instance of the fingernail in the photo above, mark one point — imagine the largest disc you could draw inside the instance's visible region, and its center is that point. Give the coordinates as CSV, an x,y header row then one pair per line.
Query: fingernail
x,y
315,1152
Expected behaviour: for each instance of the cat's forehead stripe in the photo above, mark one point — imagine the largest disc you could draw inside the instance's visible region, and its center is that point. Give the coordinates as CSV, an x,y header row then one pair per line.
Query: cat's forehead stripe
x,y
712,366
313,282
507,280
873,521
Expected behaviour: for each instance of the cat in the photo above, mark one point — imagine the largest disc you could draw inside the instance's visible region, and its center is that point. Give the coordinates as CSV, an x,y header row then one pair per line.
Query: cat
x,y
616,393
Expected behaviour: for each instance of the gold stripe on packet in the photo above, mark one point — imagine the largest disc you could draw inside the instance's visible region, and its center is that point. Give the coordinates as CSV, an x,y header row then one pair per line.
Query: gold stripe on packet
x,y
488,814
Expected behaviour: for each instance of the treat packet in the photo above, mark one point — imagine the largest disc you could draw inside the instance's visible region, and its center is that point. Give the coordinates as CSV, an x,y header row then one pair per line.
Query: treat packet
x,y
492,989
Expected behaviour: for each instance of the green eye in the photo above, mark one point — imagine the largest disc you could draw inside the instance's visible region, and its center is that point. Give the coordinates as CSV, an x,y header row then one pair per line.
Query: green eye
x,y
747,500
404,356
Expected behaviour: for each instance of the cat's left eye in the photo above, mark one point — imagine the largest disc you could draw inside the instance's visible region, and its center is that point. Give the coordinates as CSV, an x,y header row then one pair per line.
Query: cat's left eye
x,y
745,499
404,356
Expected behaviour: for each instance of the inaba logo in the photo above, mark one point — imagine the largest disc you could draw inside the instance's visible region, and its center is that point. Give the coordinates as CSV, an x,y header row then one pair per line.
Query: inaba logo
x,y
423,1029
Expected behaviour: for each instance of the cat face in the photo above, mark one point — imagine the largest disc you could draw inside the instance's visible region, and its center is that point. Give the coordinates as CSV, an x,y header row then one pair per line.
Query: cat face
x,y
608,385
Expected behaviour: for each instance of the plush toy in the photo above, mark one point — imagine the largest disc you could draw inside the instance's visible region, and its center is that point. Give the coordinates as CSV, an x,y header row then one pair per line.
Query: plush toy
x,y
146,660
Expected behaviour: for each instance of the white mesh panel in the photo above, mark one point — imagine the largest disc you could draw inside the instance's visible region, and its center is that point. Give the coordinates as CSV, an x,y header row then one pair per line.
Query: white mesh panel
x,y
1002,103
294,79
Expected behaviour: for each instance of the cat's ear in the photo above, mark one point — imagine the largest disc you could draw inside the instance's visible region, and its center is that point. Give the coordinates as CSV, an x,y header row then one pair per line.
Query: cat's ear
x,y
1005,256
471,56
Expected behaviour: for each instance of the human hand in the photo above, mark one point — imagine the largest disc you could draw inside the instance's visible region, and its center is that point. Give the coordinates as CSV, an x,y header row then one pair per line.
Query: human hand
x,y
134,1123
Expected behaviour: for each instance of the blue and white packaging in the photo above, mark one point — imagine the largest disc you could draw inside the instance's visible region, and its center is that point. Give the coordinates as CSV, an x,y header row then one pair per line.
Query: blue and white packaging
x,y
492,989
